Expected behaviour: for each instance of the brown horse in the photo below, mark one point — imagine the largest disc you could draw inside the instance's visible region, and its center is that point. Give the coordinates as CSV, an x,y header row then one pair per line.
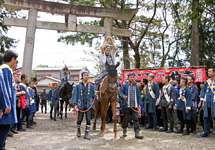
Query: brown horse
x,y
107,94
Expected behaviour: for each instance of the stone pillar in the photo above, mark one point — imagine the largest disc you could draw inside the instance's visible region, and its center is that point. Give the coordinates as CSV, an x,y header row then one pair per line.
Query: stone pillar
x,y
108,24
72,21
29,43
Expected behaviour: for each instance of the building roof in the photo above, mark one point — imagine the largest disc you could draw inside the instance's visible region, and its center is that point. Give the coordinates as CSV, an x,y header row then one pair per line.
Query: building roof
x,y
51,78
59,68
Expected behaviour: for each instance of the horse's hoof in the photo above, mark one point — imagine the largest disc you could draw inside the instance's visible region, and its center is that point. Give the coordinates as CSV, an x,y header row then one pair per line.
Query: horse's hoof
x,y
115,136
94,128
102,134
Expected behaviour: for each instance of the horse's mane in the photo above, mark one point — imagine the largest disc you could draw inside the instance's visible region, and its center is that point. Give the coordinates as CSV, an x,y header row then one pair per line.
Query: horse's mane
x,y
112,72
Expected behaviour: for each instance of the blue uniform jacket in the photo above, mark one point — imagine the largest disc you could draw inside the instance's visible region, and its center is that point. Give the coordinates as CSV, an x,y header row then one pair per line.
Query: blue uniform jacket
x,y
77,96
181,104
195,96
151,101
4,98
176,92
171,94
36,98
10,118
32,107
51,95
124,91
208,96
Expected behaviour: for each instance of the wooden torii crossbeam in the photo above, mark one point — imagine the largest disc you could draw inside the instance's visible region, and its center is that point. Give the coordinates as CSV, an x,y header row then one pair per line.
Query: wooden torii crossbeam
x,y
71,13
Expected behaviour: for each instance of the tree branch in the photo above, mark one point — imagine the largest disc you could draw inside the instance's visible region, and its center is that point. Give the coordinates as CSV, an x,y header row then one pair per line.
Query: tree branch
x,y
147,27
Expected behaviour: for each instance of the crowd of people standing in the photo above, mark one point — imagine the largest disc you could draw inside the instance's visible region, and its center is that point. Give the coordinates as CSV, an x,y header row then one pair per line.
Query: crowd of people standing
x,y
19,101
171,104
166,104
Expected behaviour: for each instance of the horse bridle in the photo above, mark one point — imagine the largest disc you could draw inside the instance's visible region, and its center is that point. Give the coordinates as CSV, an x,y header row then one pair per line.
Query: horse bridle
x,y
109,82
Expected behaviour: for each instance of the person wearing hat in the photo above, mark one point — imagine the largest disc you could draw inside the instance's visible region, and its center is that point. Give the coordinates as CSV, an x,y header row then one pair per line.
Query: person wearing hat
x,y
64,76
43,98
131,94
53,98
152,94
108,56
82,99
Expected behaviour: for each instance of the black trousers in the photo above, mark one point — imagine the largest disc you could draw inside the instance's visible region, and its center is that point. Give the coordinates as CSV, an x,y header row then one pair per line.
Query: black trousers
x,y
44,103
202,119
81,116
127,113
4,129
159,117
19,117
23,114
193,120
54,107
167,115
181,118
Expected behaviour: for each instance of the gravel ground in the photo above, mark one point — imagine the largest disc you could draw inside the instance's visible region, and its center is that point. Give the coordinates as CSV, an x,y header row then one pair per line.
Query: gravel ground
x,y
61,134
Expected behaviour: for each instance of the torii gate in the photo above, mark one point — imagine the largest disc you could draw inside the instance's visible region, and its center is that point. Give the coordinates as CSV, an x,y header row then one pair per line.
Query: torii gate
x,y
71,13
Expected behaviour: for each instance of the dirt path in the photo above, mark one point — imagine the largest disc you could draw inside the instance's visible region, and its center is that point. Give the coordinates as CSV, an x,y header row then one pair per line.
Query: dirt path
x,y
61,134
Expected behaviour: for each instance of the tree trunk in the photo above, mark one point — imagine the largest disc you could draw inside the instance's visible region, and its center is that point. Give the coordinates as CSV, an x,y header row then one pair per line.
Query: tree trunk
x,y
137,59
125,47
194,61
125,54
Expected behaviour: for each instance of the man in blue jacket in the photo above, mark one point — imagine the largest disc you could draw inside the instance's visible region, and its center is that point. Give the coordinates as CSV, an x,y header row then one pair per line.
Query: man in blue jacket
x,y
9,117
131,94
195,97
208,97
152,94
167,101
82,98
184,104
3,93
53,98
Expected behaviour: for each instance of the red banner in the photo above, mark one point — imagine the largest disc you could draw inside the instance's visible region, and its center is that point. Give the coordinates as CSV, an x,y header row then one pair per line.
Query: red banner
x,y
199,74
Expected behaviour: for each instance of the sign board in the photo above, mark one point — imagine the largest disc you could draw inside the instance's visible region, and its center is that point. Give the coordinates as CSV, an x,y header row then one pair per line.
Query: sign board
x,y
199,74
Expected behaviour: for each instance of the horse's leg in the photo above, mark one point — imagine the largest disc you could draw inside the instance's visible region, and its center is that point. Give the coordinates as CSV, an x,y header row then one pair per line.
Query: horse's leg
x,y
113,105
96,114
104,108
61,108
66,108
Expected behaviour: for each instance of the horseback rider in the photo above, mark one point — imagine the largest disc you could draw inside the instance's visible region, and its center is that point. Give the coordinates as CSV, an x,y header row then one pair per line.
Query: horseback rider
x,y
64,76
108,56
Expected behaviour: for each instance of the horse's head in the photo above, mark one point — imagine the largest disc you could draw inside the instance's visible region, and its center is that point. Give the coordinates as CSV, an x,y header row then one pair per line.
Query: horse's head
x,y
112,76
69,90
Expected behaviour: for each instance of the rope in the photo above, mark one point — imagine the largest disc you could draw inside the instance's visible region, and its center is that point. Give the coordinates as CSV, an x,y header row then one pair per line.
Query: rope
x,y
137,111
75,113
89,107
